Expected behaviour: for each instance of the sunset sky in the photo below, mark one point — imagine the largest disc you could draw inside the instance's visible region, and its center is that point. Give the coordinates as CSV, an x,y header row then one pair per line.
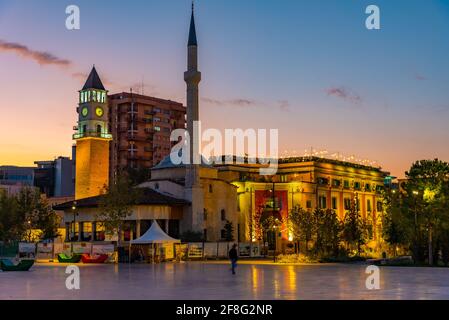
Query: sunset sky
x,y
309,68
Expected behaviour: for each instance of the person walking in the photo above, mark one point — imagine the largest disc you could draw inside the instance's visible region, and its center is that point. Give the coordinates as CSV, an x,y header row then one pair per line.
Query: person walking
x,y
233,256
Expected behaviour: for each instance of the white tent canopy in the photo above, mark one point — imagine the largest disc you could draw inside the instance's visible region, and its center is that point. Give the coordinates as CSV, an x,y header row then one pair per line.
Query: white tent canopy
x,y
154,235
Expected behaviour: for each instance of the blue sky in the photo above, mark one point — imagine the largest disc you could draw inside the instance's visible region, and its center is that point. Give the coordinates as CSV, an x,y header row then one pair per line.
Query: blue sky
x,y
309,68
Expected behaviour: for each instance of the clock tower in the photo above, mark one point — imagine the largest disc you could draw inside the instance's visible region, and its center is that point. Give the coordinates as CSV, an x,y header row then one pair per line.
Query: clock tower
x,y
92,139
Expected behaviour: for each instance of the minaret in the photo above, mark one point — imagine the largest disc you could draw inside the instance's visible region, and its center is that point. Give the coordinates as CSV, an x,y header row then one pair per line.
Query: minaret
x,y
193,191
192,77
92,139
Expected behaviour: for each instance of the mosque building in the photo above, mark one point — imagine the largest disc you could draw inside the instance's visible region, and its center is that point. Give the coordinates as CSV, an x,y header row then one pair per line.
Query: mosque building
x,y
205,198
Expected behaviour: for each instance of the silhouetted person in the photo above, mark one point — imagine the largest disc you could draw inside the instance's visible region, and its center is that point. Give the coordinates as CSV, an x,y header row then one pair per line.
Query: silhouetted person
x,y
233,256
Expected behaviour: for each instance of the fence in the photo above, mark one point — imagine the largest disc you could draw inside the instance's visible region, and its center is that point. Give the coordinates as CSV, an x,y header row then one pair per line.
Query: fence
x,y
185,251
8,250
217,250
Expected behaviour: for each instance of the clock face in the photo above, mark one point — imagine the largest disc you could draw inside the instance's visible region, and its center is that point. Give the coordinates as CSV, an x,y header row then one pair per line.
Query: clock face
x,y
99,112
85,112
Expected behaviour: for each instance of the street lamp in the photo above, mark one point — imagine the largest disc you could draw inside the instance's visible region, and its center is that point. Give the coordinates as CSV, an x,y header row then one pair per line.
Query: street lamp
x,y
74,218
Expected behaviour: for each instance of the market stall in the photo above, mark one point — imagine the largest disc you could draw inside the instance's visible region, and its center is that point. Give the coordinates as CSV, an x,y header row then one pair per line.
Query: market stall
x,y
155,245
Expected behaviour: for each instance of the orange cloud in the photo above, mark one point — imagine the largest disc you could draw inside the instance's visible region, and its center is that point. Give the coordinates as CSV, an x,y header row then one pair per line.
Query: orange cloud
x,y
42,58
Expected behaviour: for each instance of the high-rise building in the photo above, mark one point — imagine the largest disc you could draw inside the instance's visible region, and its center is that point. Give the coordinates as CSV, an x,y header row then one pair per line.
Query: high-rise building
x,y
141,127
55,178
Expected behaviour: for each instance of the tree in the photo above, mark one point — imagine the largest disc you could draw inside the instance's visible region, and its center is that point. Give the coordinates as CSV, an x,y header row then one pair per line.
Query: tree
x,y
418,216
354,228
327,232
138,175
427,191
27,216
116,205
27,201
9,219
47,220
394,227
229,231
302,225
331,227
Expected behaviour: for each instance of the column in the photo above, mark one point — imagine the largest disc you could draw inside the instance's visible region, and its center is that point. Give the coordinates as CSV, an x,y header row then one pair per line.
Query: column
x,y
67,231
80,231
94,231
166,225
138,235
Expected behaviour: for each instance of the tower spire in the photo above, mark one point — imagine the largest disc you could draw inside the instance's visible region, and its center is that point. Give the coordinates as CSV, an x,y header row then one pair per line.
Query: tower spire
x,y
93,81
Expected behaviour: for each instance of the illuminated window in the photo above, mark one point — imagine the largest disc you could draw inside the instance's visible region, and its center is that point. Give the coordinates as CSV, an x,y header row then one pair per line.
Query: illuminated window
x,y
322,202
99,96
347,203
336,183
323,181
156,128
379,206
309,204
94,95
334,203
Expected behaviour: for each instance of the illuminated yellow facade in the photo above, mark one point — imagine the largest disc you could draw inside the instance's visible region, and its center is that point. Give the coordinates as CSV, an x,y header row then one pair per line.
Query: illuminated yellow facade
x,y
92,167
309,183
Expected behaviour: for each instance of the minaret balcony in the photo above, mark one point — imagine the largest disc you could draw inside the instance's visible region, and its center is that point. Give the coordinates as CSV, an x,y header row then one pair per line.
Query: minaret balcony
x,y
92,134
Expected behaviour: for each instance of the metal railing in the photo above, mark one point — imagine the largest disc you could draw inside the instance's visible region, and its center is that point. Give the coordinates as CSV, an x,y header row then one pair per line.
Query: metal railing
x,y
91,133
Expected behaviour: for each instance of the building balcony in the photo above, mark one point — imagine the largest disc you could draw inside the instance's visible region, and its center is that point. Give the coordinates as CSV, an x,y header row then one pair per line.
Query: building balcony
x,y
92,134
137,157
136,137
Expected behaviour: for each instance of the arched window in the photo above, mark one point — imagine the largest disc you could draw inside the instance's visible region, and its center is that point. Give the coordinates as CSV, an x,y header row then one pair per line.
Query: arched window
x,y
210,188
223,215
99,128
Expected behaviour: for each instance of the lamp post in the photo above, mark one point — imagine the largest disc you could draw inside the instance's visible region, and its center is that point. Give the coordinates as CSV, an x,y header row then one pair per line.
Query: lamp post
x,y
74,218
415,196
273,199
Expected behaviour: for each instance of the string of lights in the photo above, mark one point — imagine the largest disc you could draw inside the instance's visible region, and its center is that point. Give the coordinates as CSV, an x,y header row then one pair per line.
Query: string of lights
x,y
325,154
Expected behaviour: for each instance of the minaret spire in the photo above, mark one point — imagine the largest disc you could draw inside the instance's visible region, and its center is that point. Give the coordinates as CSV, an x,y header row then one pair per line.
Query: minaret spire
x,y
192,31
194,192
192,77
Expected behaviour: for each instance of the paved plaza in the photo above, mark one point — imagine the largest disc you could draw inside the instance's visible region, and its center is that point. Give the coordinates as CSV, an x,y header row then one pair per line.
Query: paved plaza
x,y
198,280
